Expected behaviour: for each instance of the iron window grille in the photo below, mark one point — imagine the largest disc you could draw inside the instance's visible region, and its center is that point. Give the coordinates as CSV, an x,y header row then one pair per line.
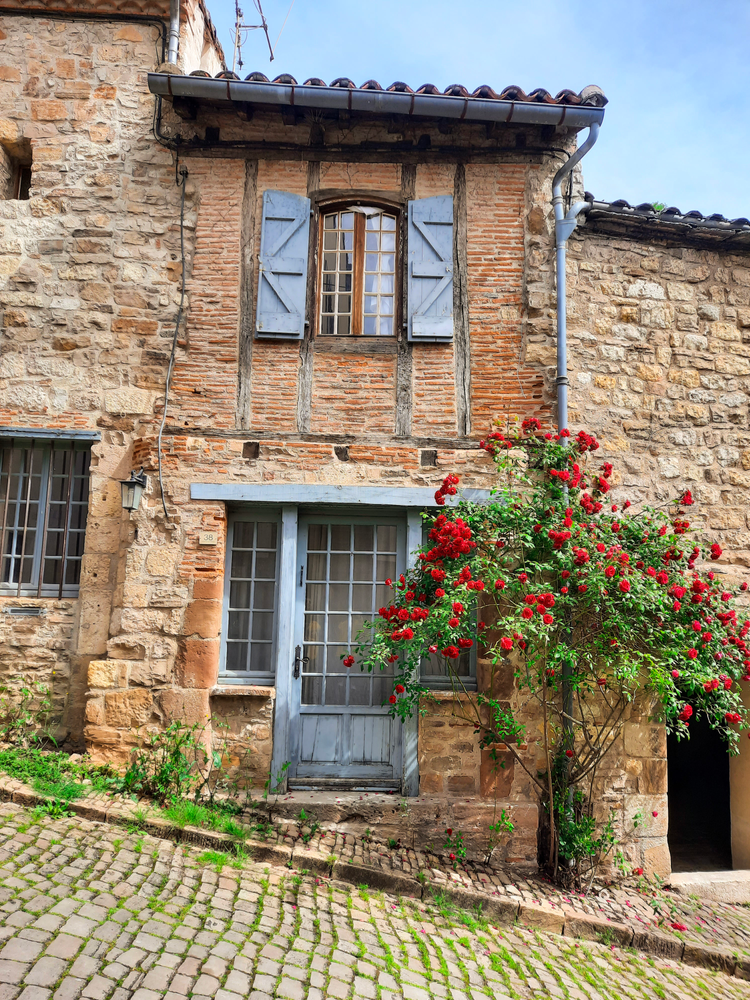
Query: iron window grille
x,y
44,493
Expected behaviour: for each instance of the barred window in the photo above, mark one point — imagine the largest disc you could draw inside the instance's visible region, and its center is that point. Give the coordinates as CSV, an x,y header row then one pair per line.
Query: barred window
x,y
44,492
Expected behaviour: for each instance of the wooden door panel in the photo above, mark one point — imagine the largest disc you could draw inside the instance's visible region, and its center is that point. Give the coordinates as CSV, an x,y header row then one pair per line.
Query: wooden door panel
x,y
371,739
320,739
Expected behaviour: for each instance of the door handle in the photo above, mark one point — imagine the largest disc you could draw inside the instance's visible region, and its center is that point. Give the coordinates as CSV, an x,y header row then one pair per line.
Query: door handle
x,y
298,660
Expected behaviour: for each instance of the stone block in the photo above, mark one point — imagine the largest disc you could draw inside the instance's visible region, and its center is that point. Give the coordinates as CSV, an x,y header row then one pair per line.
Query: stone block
x,y
198,663
203,618
186,706
580,925
129,400
545,918
128,709
94,622
108,673
162,560
663,945
656,857
653,777
721,959
95,711
645,740
378,879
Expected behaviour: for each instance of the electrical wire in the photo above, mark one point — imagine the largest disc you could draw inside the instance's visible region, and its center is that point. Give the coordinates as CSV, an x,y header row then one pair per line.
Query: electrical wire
x,y
183,173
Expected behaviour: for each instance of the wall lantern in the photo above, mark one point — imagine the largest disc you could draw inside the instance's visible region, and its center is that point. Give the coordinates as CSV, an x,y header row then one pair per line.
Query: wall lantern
x,y
133,489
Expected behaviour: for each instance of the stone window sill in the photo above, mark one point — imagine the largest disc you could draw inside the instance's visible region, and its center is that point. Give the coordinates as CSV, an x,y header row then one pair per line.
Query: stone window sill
x,y
442,695
242,690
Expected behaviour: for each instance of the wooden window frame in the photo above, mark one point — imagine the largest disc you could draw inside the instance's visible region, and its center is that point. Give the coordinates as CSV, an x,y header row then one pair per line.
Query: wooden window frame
x,y
399,212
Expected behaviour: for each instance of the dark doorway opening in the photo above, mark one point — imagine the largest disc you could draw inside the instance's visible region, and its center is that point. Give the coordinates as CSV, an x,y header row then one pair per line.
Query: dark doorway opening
x,y
700,826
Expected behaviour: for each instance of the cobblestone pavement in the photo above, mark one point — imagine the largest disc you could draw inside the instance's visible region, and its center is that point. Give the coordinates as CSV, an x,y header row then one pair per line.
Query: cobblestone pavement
x,y
707,923
92,911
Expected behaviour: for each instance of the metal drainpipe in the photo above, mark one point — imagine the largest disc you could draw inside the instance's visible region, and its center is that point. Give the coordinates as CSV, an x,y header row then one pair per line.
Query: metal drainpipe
x,y
564,226
174,31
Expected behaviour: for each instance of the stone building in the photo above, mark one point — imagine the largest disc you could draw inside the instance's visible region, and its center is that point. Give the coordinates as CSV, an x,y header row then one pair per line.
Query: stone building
x,y
369,281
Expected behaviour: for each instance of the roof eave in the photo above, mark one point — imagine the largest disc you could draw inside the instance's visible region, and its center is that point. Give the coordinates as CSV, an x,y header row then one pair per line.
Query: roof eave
x,y
378,102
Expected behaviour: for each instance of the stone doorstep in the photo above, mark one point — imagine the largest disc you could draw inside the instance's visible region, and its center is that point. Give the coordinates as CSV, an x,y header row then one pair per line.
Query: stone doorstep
x,y
542,916
724,887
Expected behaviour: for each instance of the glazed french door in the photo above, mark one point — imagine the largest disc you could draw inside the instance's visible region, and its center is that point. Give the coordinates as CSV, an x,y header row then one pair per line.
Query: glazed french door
x,y
341,733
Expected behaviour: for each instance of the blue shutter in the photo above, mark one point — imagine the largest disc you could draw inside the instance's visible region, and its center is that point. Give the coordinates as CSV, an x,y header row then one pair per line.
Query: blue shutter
x,y
430,290
282,284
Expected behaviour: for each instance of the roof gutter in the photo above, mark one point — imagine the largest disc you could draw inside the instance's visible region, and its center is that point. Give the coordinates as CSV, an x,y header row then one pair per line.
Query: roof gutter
x,y
381,102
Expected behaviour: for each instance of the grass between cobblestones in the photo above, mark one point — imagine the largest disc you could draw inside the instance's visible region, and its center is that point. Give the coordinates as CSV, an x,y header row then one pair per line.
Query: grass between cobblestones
x,y
85,913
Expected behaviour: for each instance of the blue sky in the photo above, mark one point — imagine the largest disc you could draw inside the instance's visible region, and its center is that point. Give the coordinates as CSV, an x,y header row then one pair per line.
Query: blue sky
x,y
676,72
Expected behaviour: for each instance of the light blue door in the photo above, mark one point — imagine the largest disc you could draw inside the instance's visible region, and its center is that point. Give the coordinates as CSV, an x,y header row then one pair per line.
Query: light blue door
x,y
341,733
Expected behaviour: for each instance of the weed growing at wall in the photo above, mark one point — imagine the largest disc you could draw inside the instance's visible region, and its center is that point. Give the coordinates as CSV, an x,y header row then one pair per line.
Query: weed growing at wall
x,y
592,603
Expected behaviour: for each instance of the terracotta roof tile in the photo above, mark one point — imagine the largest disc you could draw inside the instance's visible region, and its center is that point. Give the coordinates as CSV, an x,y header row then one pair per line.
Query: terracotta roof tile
x,y
591,96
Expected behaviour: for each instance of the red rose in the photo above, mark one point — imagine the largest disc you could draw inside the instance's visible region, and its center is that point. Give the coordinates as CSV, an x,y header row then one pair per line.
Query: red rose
x,y
432,649
624,586
392,699
523,577
563,590
568,753
506,643
348,661
610,571
582,588
499,584
440,592
389,583
451,652
685,714
715,551
453,622
547,619
400,689
457,607
675,674
692,653
465,643
638,871
527,613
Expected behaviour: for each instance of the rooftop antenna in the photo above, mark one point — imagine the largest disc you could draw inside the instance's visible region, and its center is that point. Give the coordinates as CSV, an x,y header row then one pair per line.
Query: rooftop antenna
x,y
240,32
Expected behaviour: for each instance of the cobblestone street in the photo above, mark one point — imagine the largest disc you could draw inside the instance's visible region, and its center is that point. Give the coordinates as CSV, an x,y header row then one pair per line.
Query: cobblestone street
x,y
93,911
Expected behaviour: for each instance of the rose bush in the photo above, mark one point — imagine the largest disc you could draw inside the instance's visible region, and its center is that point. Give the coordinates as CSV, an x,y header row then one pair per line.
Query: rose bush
x,y
591,600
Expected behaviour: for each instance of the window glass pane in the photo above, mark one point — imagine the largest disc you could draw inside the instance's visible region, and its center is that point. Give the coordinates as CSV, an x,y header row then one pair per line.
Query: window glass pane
x,y
43,506
337,611
359,690
253,565
337,310
236,656
261,657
